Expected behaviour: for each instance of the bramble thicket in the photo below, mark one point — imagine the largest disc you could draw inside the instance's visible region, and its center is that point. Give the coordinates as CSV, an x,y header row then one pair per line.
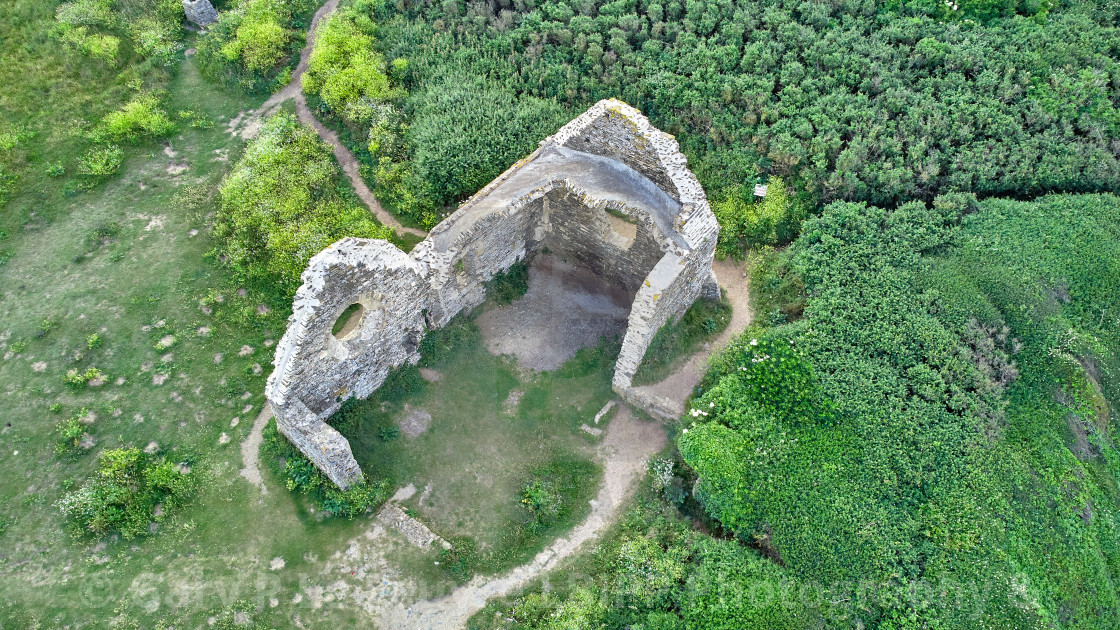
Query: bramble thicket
x,y
845,100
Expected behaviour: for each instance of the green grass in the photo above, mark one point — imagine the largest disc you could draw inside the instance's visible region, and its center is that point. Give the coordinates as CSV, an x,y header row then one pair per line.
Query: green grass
x,y
483,446
121,262
676,341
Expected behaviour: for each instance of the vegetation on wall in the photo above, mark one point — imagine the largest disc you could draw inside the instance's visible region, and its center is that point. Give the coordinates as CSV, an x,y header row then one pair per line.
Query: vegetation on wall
x,y
300,475
675,341
509,285
284,202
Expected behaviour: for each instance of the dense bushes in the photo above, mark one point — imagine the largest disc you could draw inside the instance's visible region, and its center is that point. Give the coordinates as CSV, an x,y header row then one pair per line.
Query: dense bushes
x,y
927,447
746,222
96,28
655,571
845,100
283,202
900,427
253,45
129,491
346,72
463,132
140,118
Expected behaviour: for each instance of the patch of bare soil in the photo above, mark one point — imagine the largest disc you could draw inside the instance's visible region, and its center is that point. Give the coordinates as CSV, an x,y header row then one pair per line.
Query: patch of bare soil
x,y
250,458
415,422
566,308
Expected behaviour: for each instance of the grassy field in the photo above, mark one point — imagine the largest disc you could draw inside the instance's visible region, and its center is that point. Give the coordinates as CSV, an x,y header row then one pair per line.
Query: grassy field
x,y
184,352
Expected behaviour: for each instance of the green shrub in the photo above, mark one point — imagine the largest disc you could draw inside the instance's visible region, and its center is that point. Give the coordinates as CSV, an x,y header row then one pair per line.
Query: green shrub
x,y
70,431
253,45
542,502
777,290
345,71
123,493
260,38
401,382
96,45
283,202
508,285
461,560
466,132
139,118
746,224
158,38
78,379
102,161
440,344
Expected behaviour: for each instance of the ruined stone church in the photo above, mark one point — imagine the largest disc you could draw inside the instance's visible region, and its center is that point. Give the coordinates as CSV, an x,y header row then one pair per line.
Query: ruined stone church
x,y
608,192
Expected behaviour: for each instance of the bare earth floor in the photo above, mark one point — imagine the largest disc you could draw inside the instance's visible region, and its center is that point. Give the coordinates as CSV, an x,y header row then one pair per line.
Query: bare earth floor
x,y
566,308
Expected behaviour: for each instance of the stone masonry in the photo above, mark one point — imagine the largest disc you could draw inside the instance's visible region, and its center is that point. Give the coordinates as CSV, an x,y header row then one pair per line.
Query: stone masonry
x,y
608,192
201,12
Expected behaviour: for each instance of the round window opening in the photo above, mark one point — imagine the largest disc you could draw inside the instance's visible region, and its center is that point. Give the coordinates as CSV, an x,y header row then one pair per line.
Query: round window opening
x,y
348,321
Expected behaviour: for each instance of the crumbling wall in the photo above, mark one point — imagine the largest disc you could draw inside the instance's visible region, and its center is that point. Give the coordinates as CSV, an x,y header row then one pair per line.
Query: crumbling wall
x,y
201,12
316,371
608,191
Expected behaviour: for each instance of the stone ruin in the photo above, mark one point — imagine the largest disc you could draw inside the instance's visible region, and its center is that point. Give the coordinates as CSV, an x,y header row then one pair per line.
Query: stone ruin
x,y
201,12
608,192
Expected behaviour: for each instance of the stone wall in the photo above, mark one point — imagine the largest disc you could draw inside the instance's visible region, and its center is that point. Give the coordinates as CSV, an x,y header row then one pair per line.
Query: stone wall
x,y
201,12
608,191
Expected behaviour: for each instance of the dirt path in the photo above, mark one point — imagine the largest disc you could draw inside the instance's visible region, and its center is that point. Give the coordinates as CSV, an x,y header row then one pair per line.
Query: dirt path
x,y
250,449
345,158
679,385
628,444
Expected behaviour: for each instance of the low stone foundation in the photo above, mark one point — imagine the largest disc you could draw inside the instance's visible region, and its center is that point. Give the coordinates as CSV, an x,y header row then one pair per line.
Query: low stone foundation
x,y
608,192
